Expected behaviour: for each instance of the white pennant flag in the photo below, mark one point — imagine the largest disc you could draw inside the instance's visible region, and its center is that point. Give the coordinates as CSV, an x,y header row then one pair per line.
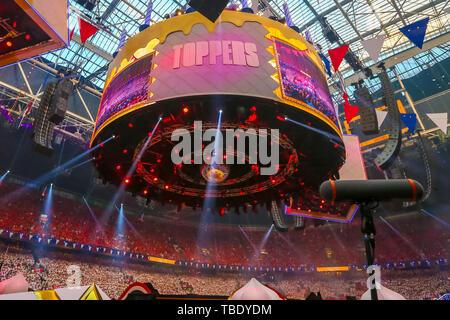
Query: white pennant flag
x,y
373,46
381,115
440,119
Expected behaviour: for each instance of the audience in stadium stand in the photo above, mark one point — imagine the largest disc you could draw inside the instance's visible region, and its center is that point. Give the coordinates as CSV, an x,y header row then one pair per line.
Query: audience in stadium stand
x,y
114,276
328,245
419,236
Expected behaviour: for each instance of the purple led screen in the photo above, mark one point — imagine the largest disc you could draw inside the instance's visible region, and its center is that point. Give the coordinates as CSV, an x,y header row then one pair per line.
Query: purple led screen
x,y
128,88
303,81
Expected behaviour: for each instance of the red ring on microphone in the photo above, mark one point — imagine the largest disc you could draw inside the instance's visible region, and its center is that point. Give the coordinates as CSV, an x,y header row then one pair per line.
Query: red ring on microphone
x,y
414,189
333,189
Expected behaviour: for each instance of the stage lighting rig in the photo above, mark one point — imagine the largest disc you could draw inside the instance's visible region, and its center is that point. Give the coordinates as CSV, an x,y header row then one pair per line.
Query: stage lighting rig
x,y
328,31
87,4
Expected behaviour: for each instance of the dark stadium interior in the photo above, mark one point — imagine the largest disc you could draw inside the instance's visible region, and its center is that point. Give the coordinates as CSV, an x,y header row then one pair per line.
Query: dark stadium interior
x,y
121,232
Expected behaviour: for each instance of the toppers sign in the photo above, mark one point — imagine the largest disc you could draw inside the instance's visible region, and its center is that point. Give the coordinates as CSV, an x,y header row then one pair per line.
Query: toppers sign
x,y
214,52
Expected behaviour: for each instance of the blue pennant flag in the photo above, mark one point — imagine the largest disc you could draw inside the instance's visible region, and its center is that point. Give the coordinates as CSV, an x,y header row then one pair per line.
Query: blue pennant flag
x,y
416,31
327,64
410,120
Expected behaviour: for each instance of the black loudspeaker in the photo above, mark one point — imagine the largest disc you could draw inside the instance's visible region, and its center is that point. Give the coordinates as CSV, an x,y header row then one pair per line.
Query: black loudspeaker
x,y
210,9
58,106
393,145
43,128
88,4
364,101
278,219
299,223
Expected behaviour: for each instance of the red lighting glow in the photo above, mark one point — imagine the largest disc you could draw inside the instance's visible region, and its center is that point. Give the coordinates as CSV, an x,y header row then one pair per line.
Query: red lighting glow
x,y
9,44
155,179
118,167
127,181
125,151
27,37
185,110
130,125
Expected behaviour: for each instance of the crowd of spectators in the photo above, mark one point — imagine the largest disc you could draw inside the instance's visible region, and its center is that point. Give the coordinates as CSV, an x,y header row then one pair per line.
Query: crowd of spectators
x,y
411,237
113,277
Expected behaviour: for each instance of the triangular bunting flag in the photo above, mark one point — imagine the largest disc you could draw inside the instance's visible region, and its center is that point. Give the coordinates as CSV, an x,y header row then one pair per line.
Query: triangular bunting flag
x,y
350,111
71,34
87,30
326,62
416,31
409,119
373,46
440,119
91,294
337,55
346,98
381,116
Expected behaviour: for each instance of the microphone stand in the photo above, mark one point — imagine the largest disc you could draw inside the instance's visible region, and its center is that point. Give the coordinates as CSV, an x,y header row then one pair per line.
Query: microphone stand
x,y
369,232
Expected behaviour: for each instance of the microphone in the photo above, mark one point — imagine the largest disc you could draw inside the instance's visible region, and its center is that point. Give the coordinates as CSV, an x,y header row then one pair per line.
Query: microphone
x,y
371,190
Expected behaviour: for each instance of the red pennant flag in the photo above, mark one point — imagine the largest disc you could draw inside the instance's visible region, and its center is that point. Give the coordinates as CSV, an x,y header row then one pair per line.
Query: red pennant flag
x,y
71,34
350,111
337,55
346,97
87,30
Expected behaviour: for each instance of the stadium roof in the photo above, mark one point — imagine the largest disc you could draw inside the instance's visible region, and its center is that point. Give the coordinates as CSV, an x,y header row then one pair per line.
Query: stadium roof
x,y
354,20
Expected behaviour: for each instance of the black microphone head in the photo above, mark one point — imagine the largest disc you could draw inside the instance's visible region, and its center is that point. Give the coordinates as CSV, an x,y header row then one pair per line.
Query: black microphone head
x,y
371,190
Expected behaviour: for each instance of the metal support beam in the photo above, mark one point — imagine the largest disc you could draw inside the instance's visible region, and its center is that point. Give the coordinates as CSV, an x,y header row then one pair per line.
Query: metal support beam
x,y
323,14
348,19
394,4
33,97
408,98
93,48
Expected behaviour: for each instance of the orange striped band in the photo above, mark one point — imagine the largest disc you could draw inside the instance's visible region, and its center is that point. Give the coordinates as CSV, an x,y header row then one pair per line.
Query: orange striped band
x,y
333,188
414,189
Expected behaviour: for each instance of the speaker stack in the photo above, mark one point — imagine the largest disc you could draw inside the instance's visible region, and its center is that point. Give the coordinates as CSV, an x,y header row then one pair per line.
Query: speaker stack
x,y
43,128
364,101
58,107
392,147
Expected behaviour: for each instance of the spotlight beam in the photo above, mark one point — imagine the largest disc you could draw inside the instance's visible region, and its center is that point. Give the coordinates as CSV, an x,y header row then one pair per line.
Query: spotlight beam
x,y
264,240
4,176
48,202
402,237
53,173
427,213
332,137
130,172
255,249
93,216
208,202
81,164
